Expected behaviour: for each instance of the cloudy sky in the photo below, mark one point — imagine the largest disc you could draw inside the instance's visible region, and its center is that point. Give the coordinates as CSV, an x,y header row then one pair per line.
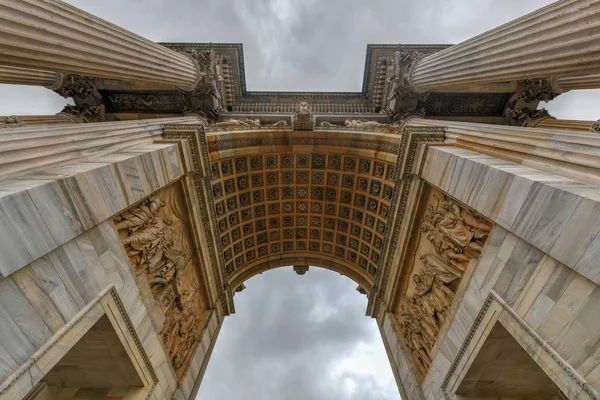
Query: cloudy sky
x,y
301,337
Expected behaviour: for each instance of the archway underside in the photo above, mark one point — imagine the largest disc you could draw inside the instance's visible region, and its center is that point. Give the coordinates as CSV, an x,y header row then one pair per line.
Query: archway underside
x,y
287,197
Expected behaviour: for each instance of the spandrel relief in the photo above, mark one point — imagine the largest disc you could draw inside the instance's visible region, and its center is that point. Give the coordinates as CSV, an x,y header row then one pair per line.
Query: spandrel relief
x,y
157,240
449,236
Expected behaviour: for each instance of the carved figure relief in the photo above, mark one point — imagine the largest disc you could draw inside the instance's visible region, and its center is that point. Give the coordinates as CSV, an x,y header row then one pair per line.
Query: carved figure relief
x,y
157,241
449,237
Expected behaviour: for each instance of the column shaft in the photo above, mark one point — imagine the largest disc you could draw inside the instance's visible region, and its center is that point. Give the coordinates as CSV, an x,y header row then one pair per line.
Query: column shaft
x,y
561,39
563,84
31,77
55,36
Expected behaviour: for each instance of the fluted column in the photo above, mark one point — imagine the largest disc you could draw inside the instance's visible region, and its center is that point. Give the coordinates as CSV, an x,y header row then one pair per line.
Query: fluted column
x,y
562,39
18,121
31,77
54,36
562,84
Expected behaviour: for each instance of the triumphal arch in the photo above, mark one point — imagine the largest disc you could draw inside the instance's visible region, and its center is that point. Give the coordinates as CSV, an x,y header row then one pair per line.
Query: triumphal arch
x,y
469,218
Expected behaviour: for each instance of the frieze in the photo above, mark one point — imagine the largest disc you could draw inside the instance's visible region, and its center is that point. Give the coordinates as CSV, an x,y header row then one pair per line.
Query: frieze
x,y
472,104
360,125
449,237
239,123
155,102
157,241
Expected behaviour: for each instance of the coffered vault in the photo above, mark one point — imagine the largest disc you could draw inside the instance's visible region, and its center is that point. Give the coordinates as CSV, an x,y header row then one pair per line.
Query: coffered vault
x,y
468,217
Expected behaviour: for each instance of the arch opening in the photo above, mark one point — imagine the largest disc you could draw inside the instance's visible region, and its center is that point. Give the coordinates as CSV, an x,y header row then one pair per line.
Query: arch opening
x,y
305,335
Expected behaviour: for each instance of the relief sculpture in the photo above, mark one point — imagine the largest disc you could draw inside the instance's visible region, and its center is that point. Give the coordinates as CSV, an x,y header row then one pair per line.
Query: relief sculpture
x,y
449,237
156,240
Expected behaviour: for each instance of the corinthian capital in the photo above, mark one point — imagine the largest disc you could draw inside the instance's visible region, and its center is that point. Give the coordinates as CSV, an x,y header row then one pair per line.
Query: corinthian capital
x,y
531,90
401,94
526,117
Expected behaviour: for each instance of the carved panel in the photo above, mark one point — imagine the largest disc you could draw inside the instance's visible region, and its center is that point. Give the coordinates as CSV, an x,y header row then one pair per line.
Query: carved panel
x,y
448,237
158,243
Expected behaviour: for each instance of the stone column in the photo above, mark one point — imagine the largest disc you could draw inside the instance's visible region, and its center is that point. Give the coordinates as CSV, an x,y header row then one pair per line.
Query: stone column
x,y
16,121
55,36
562,39
31,77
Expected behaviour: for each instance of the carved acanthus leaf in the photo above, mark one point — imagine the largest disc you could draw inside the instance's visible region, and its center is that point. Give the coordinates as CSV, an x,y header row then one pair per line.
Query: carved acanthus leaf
x,y
401,96
86,112
531,90
525,116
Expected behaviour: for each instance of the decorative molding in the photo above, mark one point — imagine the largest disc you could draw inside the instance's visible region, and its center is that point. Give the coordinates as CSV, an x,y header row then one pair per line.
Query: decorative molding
x,y
360,125
463,348
195,137
230,144
411,139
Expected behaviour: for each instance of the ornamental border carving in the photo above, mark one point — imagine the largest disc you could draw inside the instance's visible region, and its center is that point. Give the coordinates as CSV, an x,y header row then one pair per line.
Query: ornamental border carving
x,y
231,144
411,138
195,137
508,313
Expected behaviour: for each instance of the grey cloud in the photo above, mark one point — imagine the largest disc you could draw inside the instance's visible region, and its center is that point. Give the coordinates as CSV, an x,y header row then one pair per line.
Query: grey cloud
x,y
290,335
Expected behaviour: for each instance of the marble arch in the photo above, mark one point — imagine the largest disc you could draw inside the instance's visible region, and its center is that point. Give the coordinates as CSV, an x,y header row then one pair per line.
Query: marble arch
x,y
470,218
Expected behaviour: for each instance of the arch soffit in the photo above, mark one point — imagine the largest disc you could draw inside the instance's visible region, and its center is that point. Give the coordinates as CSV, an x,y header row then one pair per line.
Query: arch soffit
x,y
285,197
317,260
